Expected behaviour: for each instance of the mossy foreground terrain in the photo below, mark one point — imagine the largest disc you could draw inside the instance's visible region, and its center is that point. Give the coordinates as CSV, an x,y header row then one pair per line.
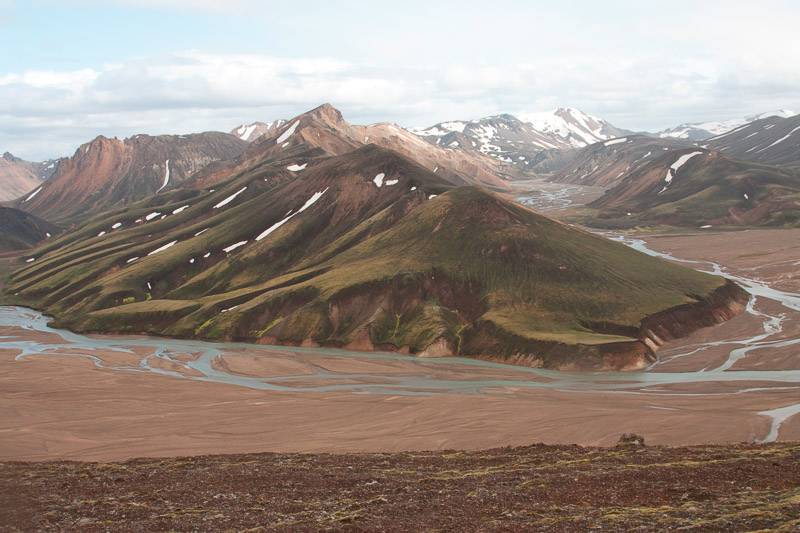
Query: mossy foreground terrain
x,y
538,488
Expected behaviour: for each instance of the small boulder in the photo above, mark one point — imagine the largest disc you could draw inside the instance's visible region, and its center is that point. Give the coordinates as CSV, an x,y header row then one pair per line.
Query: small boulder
x,y
630,439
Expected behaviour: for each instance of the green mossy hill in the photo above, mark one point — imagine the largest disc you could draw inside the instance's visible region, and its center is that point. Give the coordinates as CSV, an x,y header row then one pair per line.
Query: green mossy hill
x,y
366,250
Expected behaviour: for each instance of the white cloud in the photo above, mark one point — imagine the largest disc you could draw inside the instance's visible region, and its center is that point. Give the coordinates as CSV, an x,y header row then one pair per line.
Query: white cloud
x,y
50,112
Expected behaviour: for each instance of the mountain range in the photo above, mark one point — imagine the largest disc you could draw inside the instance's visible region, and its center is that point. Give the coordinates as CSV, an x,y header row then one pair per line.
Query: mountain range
x,y
529,142
323,132
319,236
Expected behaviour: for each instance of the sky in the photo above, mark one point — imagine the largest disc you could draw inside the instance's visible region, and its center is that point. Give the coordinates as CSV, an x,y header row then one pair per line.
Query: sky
x,y
71,70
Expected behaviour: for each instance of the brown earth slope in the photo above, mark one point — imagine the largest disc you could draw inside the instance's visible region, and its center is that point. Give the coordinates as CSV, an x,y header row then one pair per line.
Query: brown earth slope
x,y
111,173
541,488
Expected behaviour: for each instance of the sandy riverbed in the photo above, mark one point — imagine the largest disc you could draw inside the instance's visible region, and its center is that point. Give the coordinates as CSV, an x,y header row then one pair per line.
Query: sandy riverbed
x,y
63,406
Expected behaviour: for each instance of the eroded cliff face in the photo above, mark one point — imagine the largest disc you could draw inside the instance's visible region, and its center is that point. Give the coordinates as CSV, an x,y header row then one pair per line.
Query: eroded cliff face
x,y
721,305
417,315
379,316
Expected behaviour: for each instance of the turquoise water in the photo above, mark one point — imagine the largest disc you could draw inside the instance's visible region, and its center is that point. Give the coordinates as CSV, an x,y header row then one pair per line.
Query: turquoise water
x,y
422,376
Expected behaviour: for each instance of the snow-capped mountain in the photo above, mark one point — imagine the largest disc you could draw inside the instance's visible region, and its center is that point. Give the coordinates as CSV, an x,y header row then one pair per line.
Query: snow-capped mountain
x,y
254,130
525,144
503,137
572,127
700,131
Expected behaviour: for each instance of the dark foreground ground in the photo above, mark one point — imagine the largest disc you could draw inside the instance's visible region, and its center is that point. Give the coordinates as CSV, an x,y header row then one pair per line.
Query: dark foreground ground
x,y
559,488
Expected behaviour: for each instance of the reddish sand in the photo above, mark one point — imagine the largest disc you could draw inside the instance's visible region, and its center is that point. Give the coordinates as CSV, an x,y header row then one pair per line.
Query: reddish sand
x,y
66,407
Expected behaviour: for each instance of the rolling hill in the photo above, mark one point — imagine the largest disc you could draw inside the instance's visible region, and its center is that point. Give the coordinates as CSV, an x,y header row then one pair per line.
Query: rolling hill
x,y
368,250
20,230
106,173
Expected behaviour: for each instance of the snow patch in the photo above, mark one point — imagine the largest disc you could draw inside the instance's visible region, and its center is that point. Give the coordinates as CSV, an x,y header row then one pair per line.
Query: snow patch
x,y
152,215
673,169
296,168
166,176
32,195
311,201
781,139
246,131
180,210
287,133
615,141
232,247
162,248
116,225
378,179
230,198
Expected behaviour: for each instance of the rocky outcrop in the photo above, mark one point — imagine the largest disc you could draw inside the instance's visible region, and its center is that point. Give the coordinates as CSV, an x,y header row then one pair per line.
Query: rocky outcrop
x,y
723,304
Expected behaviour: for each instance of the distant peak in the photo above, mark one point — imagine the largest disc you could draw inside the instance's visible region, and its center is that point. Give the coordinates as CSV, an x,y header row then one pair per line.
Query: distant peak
x,y
326,111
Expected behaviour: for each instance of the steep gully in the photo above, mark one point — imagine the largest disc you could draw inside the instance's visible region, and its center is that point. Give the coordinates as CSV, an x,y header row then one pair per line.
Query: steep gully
x,y
171,353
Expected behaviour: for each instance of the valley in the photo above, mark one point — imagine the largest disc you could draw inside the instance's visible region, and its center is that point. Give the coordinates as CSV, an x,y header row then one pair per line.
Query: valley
x,y
400,305
519,266
173,397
